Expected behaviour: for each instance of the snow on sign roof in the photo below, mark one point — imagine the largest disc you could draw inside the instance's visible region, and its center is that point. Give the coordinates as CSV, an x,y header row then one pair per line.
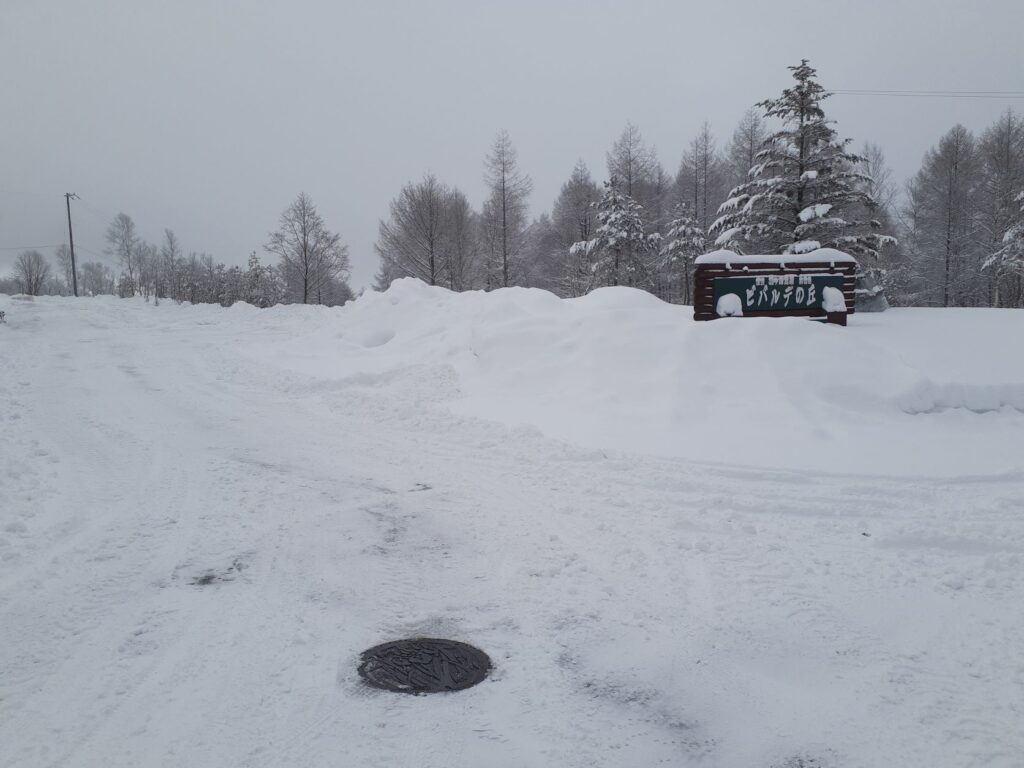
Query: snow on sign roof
x,y
827,255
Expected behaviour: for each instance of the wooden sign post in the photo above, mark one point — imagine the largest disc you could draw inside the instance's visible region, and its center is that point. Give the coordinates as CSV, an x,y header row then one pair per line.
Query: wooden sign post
x,y
819,285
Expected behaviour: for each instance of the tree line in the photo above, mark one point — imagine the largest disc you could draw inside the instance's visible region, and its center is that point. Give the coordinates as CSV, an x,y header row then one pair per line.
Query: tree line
x,y
784,182
312,267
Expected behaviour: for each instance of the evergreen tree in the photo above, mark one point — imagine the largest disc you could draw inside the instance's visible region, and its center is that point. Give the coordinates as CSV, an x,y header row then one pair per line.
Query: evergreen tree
x,y
261,285
803,185
682,243
1001,155
621,252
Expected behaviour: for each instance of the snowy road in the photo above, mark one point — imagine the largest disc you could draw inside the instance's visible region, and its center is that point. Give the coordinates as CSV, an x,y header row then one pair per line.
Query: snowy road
x,y
640,610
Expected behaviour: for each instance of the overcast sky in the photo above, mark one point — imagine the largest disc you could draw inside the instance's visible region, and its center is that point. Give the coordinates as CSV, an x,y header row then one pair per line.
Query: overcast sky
x,y
209,117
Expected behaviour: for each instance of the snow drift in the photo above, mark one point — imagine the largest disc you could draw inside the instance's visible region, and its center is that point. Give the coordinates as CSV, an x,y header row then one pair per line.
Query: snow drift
x,y
908,392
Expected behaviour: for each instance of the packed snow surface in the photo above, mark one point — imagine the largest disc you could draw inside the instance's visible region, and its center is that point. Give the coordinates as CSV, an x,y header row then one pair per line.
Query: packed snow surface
x,y
749,542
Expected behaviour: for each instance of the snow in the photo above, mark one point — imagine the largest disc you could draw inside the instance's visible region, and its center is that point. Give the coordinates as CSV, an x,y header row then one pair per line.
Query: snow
x,y
832,300
804,247
817,255
816,211
729,305
682,543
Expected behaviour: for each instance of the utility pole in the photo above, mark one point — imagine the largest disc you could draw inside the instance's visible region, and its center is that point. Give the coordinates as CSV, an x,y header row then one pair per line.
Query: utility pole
x,y
71,240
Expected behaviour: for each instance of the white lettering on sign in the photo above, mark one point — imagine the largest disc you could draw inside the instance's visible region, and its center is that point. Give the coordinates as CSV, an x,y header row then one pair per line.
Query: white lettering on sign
x,y
777,292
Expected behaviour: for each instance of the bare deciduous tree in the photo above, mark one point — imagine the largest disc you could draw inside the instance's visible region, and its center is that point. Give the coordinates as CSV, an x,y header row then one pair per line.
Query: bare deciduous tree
x,y
942,212
504,216
429,235
701,181
312,257
96,278
31,270
633,164
747,141
123,243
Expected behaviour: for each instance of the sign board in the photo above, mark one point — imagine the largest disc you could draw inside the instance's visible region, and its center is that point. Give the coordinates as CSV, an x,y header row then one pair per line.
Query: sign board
x,y
774,293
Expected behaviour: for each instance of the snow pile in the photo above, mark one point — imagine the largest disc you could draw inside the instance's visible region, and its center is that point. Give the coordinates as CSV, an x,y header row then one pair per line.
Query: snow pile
x,y
621,370
729,305
832,300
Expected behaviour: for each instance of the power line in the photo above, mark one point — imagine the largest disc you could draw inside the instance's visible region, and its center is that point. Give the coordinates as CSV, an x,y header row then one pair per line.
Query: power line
x,y
932,94
27,247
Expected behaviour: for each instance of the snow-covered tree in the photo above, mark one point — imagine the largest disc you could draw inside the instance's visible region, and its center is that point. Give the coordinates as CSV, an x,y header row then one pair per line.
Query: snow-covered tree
x,y
1001,155
682,242
803,185
261,285
1008,261
621,252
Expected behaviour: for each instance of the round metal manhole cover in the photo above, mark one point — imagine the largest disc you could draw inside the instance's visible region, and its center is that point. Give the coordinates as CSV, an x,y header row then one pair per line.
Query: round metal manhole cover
x,y
424,665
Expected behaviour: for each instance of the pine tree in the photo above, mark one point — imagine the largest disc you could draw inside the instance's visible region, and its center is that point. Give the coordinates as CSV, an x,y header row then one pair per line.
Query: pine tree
x,y
1001,154
682,243
803,185
621,252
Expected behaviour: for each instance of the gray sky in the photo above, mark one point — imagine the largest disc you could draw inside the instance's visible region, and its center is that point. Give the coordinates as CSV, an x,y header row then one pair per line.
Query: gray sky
x,y
209,117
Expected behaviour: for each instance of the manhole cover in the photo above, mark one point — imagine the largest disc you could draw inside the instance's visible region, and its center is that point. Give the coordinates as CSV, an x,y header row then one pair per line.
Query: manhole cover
x,y
424,665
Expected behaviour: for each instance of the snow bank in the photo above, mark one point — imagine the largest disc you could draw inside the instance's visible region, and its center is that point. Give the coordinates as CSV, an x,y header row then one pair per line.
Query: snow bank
x,y
621,370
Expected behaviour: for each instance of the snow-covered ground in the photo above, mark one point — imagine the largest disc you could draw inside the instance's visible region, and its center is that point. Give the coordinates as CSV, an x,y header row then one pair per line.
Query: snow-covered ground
x,y
730,544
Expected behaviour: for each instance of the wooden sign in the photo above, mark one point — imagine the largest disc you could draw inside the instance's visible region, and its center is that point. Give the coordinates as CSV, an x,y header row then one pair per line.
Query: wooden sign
x,y
819,285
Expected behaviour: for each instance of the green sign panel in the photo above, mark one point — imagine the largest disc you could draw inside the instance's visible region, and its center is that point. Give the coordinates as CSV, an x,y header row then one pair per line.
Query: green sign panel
x,y
774,293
